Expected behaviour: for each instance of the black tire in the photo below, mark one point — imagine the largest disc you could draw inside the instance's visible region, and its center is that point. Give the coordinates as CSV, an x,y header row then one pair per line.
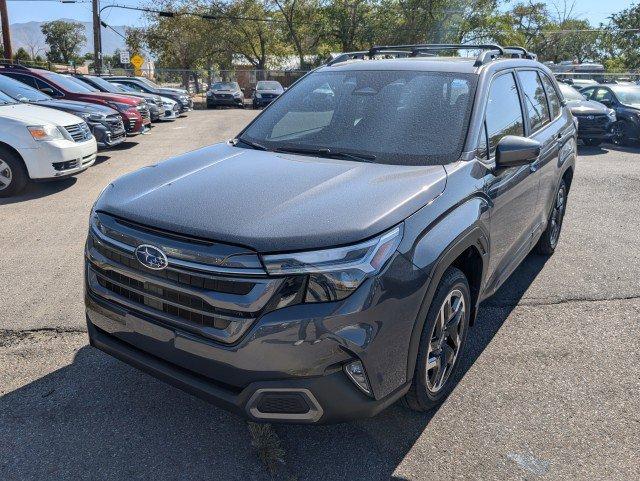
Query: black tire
x,y
622,133
13,173
422,396
549,240
592,142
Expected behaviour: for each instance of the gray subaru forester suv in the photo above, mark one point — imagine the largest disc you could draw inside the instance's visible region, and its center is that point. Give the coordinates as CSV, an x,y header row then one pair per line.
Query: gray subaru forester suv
x,y
331,258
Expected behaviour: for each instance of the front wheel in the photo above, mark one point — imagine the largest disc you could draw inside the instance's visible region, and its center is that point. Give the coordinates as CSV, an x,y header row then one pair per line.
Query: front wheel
x,y
442,342
550,237
13,176
622,133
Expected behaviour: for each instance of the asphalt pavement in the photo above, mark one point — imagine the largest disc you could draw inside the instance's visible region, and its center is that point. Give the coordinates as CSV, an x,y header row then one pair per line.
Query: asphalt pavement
x,y
550,389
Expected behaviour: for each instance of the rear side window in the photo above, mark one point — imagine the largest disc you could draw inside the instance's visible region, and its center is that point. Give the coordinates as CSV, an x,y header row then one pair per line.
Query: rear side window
x,y
552,96
602,94
25,79
504,115
534,99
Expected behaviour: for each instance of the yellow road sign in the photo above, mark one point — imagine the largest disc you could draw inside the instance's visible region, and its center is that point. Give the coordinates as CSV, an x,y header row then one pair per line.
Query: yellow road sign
x,y
137,61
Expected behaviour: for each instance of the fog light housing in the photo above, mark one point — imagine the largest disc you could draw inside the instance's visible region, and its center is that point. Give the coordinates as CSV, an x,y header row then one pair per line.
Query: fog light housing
x,y
355,371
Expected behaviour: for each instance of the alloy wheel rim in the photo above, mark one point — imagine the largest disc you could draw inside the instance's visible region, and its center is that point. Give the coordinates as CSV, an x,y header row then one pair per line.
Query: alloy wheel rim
x,y
557,215
5,175
445,340
619,132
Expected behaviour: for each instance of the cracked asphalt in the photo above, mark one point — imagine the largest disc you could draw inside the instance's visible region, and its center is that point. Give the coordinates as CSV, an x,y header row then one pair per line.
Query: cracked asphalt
x,y
550,389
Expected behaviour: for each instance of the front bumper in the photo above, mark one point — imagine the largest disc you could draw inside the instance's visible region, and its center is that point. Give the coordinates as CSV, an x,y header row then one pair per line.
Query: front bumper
x,y
299,349
59,158
262,102
213,101
107,137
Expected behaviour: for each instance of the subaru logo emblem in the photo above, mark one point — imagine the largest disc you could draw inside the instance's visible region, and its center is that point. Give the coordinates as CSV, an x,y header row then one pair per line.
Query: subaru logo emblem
x,y
590,117
151,257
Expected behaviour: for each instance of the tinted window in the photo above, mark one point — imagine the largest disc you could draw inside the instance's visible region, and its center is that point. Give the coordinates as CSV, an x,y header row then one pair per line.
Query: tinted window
x,y
133,86
552,95
21,91
102,83
268,85
504,115
400,117
26,79
534,99
628,95
65,82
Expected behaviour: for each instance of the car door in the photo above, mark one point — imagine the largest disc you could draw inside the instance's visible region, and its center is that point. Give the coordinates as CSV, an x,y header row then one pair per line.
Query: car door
x,y
513,191
539,126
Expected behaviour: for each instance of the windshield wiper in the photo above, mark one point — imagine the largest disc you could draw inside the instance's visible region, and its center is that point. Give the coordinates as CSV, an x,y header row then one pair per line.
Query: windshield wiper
x,y
325,152
253,145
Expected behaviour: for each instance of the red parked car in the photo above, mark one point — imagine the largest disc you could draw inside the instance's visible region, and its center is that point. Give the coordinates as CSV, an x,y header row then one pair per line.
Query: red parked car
x,y
134,112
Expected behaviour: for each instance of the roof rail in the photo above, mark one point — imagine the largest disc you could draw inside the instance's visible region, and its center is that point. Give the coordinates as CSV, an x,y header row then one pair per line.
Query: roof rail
x,y
12,64
487,53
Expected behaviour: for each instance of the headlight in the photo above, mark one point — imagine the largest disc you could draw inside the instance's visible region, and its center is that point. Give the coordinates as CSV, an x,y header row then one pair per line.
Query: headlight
x,y
209,93
333,274
612,115
45,132
258,96
237,94
120,106
184,98
94,117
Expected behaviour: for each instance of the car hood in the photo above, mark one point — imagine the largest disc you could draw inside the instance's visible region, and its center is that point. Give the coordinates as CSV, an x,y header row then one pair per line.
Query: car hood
x,y
171,91
78,107
224,91
108,97
269,201
586,107
30,114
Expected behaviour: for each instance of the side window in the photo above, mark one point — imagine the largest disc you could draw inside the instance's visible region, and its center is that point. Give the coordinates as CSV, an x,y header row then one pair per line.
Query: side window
x,y
504,115
552,95
134,86
587,93
534,99
602,94
40,84
25,79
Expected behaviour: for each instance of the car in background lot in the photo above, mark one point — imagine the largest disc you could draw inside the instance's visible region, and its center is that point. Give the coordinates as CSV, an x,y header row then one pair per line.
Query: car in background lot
x,y
98,84
225,94
40,143
105,123
625,101
171,107
266,91
134,112
143,84
393,195
580,83
595,120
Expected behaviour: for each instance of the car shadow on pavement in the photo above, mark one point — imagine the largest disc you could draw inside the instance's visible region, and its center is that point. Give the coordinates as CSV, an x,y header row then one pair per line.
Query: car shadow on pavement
x,y
604,148
98,418
36,190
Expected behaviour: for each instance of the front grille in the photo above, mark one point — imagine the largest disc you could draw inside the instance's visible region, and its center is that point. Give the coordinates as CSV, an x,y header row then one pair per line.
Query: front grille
x,y
132,124
197,297
115,123
144,111
592,121
78,132
223,96
282,403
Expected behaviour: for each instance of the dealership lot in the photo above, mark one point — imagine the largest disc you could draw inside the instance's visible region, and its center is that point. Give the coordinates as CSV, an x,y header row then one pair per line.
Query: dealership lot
x,y
550,391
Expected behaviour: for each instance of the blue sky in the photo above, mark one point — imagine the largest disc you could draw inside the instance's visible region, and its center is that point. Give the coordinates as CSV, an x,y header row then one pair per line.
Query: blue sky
x,y
30,10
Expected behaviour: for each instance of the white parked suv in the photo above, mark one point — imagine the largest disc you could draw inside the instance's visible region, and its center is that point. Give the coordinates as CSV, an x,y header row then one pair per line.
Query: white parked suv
x,y
38,143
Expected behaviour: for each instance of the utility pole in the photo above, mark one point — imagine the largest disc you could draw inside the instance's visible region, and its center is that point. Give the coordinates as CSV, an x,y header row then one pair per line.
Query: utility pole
x,y
97,40
6,36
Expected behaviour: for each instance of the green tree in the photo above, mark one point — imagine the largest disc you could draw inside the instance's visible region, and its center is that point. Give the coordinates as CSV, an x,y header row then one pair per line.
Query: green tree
x,y
65,39
622,39
21,55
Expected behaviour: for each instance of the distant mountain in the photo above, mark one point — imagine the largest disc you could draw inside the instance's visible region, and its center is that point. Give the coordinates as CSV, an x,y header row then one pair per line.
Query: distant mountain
x,y
29,36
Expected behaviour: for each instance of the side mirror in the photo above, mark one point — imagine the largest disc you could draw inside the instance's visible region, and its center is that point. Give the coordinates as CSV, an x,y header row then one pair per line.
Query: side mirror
x,y
47,90
514,151
606,102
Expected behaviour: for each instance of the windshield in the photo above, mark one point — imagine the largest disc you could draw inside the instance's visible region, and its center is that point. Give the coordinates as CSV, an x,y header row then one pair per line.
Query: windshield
x,y
89,87
268,85
394,117
103,84
628,95
570,93
5,99
20,91
123,87
66,82
224,86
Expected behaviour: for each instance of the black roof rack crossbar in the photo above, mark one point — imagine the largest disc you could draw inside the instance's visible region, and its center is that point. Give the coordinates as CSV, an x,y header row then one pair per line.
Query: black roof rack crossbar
x,y
487,53
12,64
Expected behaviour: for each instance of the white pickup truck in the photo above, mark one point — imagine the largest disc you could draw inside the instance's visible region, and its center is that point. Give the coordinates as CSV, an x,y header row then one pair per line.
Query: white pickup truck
x,y
38,143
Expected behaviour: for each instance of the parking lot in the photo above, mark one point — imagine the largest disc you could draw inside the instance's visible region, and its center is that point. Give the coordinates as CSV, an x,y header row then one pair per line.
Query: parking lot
x,y
551,388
